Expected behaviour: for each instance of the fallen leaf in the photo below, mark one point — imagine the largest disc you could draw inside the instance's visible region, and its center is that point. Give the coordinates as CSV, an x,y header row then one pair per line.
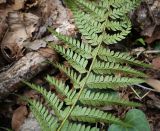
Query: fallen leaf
x,y
35,45
154,83
155,36
21,27
2,1
18,118
18,4
156,63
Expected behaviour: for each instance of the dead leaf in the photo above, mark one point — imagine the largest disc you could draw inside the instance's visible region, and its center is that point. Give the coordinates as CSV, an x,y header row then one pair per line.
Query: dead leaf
x,y
48,54
2,1
154,83
35,45
156,63
18,4
155,36
21,26
18,118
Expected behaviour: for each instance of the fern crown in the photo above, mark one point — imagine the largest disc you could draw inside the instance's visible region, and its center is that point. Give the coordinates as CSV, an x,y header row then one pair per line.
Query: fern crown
x,y
94,70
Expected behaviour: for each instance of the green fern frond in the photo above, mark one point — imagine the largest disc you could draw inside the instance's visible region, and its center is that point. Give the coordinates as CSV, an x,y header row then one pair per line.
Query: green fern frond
x,y
76,46
84,21
50,97
77,127
114,3
76,60
62,89
91,98
90,6
88,27
117,25
94,71
93,115
112,39
111,56
120,7
76,79
113,82
111,67
46,120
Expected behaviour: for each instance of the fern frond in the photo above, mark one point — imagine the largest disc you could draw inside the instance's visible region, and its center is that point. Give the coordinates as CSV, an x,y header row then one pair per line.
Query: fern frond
x,y
88,27
46,120
83,21
114,3
90,6
117,13
60,86
76,79
111,67
93,115
113,82
51,98
76,46
112,39
77,127
76,60
62,89
111,56
91,98
117,25
91,68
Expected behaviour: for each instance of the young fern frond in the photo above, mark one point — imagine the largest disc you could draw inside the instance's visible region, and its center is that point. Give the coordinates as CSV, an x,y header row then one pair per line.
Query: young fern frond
x,y
93,69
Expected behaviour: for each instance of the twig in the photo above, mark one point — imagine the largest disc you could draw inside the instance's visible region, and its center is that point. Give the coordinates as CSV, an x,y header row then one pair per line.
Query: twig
x,y
146,88
152,52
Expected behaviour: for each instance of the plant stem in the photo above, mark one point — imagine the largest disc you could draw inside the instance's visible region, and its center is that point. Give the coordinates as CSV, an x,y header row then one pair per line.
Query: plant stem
x,y
81,89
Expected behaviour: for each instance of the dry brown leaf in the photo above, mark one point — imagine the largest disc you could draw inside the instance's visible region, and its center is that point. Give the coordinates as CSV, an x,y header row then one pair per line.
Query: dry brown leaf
x,y
21,25
154,83
2,1
18,118
156,63
155,36
18,4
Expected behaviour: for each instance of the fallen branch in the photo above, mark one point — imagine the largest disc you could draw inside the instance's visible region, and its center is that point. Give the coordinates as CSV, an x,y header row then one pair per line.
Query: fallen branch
x,y
33,62
24,69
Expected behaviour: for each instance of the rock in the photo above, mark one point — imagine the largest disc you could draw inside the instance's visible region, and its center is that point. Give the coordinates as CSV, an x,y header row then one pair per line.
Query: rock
x,y
30,124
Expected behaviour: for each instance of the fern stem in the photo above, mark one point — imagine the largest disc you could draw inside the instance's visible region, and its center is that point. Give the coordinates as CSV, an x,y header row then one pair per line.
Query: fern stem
x,y
81,89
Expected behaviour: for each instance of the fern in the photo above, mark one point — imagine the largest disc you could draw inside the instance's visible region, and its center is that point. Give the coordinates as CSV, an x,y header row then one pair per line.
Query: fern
x,y
95,71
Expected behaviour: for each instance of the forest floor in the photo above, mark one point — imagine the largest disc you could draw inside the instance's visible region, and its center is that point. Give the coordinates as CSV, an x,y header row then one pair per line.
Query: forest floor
x,y
24,37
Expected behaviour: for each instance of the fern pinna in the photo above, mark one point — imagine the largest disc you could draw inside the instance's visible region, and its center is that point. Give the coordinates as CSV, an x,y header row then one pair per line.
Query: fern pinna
x,y
95,71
